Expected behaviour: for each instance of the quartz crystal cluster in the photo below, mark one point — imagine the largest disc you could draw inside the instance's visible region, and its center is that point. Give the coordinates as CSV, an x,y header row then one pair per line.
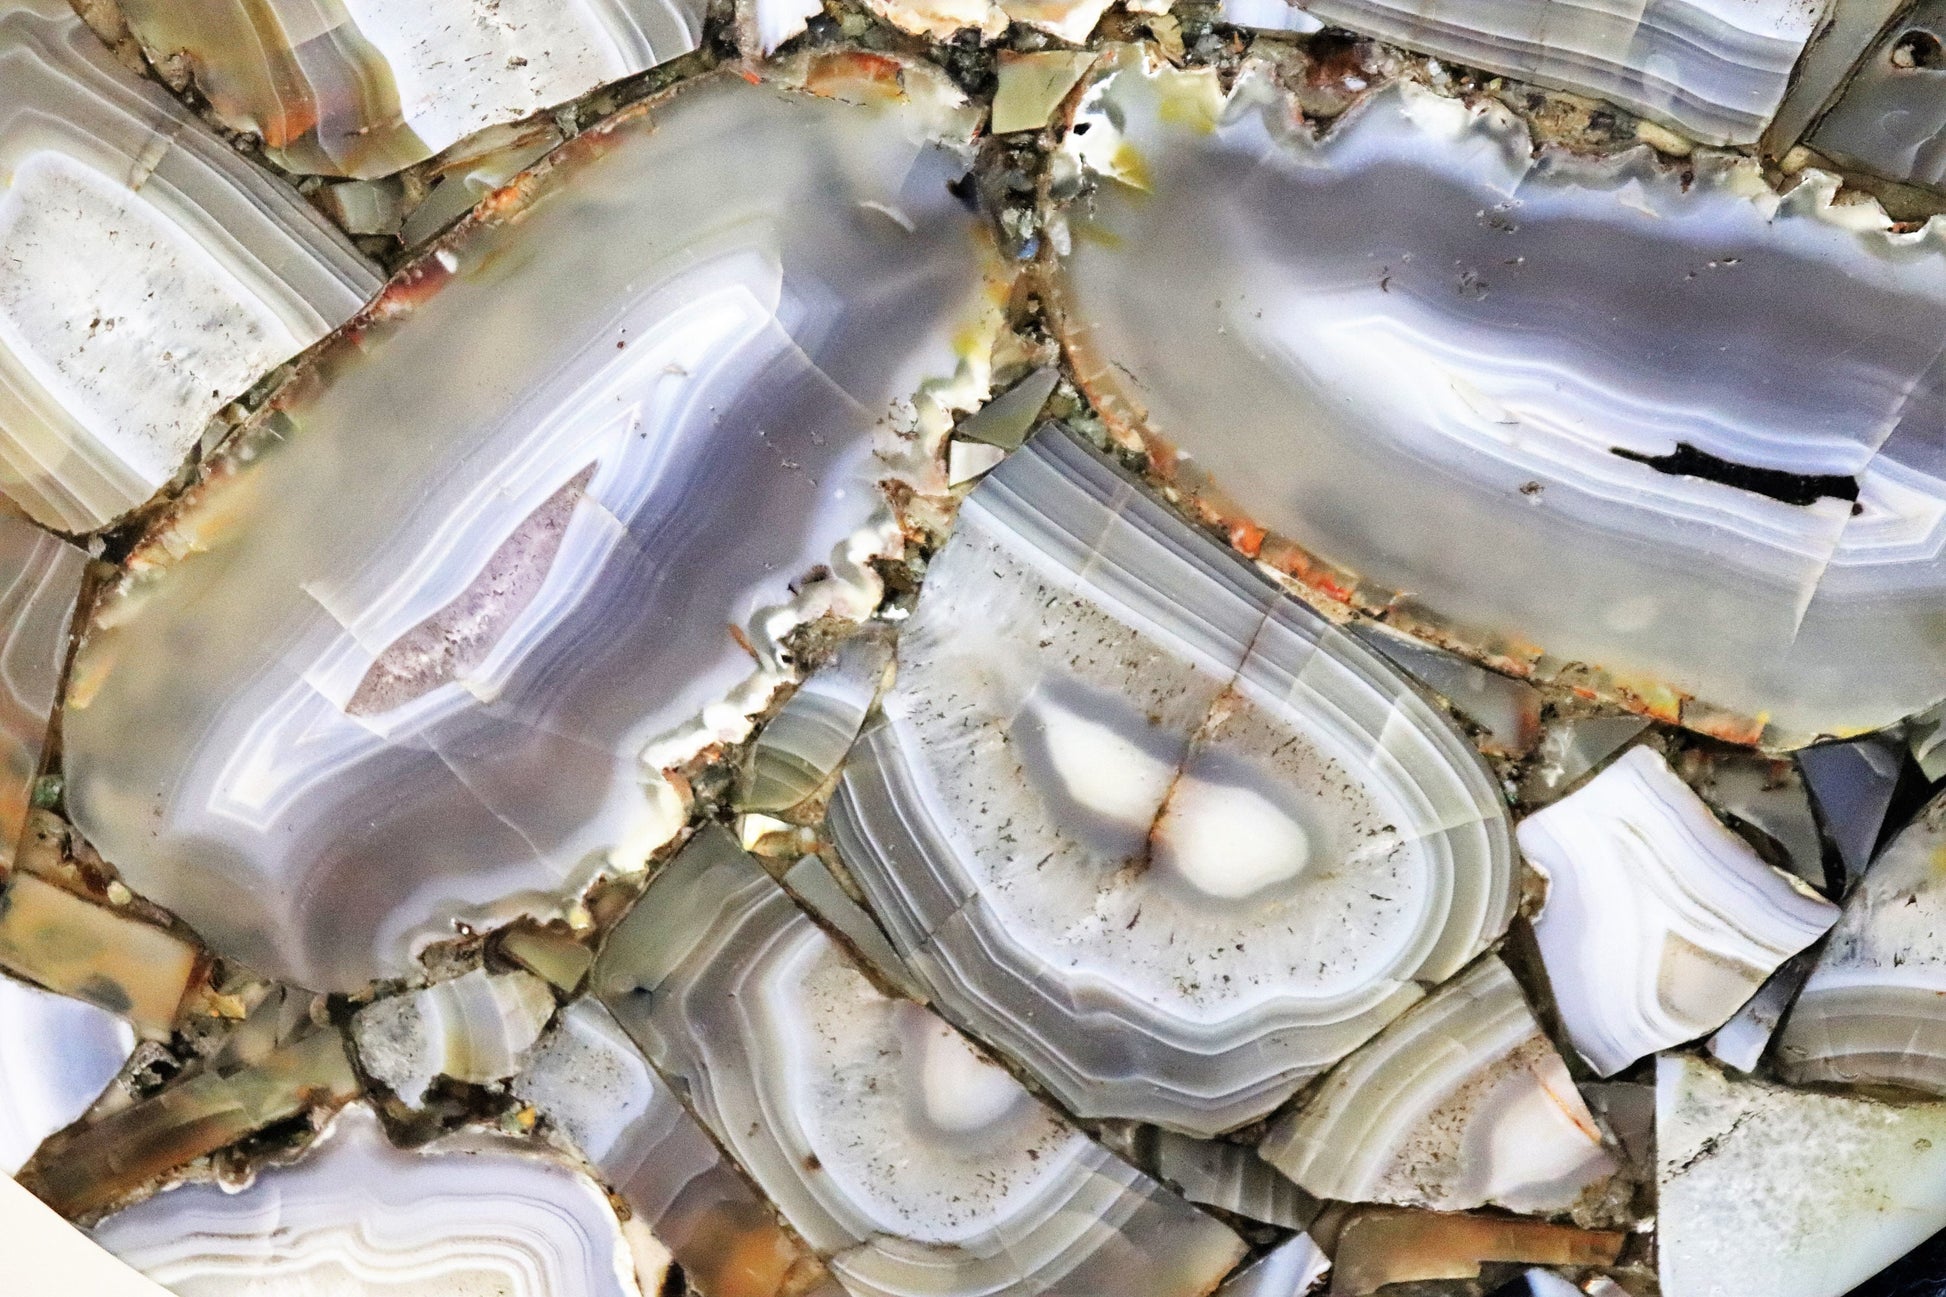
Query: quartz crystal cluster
x,y
973,648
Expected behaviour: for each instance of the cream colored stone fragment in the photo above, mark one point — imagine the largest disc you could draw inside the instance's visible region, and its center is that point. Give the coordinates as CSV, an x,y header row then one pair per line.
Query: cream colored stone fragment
x,y
1070,20
47,1257
1032,86
151,275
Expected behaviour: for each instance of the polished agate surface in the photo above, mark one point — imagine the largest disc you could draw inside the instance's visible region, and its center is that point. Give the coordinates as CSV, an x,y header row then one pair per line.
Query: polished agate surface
x,y
446,705
972,648
1442,402
909,1160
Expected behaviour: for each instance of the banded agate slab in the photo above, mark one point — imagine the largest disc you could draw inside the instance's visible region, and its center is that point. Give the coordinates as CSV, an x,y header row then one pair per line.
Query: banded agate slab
x,y
1699,472
397,658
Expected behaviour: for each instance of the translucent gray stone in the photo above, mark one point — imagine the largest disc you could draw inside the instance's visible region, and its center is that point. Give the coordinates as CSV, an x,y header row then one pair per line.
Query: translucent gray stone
x,y
1005,420
1768,794
1572,746
1216,1173
1508,710
1853,784
1849,29
811,884
56,1057
1891,117
1712,69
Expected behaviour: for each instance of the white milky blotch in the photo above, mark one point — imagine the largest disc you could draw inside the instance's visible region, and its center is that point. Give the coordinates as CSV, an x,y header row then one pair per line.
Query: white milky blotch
x,y
152,274
1149,825
401,657
1391,348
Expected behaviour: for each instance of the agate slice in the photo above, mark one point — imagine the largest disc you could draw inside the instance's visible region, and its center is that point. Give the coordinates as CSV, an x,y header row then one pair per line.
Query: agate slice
x,y
1699,474
601,1099
1770,1192
1292,1269
1379,1246
813,886
1853,785
357,1217
1849,29
40,578
1460,1103
1659,923
152,274
384,667
913,1163
799,749
1508,711
1891,118
84,1169
475,1028
56,1057
1713,69
1870,1011
1146,823
1218,1173
1741,1043
363,87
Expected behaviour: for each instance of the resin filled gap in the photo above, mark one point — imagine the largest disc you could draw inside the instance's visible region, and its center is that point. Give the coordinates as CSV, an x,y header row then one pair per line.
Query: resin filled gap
x,y
1787,488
